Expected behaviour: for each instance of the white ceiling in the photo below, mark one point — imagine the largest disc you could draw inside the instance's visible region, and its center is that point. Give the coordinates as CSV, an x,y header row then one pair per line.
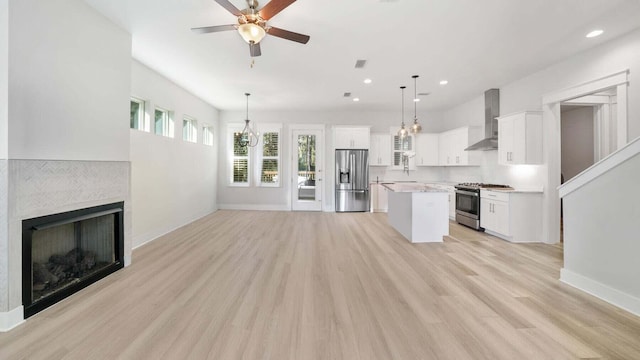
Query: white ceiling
x,y
475,44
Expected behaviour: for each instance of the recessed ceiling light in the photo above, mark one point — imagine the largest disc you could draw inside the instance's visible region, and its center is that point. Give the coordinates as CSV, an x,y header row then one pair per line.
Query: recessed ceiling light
x,y
356,99
595,33
443,82
367,81
416,100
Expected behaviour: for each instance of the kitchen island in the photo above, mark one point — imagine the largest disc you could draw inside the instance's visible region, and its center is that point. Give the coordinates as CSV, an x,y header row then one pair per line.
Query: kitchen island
x,y
418,211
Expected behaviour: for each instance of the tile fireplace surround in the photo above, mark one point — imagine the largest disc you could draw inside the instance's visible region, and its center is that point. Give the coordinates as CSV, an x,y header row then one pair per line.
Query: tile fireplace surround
x,y
32,188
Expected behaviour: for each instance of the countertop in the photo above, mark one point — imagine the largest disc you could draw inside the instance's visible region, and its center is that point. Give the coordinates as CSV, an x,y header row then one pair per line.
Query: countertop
x,y
523,190
412,187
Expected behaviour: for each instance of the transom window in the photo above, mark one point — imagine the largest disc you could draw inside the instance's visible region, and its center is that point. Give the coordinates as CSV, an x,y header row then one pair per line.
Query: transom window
x,y
138,118
207,135
189,129
163,123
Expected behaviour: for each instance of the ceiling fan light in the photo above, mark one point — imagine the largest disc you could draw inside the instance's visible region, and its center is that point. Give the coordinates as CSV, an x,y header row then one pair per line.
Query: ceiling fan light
x,y
251,32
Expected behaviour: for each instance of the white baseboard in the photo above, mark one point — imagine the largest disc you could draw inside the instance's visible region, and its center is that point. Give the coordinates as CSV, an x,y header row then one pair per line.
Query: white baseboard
x,y
601,291
261,207
11,319
148,237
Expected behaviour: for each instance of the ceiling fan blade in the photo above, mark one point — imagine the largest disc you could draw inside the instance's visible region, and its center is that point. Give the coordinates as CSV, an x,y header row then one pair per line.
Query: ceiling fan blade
x,y
210,29
288,35
274,7
254,49
229,6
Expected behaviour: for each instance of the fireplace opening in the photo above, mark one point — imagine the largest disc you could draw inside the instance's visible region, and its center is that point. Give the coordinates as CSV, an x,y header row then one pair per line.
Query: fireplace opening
x,y
64,253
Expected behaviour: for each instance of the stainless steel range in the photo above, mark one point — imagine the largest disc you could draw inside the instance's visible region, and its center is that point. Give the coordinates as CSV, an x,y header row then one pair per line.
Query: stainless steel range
x,y
468,203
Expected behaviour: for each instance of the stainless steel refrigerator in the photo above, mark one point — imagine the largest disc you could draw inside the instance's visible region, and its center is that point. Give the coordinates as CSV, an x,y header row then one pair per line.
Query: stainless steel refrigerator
x,y
352,180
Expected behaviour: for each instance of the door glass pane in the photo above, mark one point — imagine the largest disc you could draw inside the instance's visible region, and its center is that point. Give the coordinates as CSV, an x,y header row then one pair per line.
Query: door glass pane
x,y
306,167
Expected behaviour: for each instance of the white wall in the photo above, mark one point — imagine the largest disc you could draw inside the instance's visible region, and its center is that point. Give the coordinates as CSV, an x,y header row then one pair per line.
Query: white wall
x,y
601,246
278,198
173,182
526,94
69,83
577,140
606,59
4,77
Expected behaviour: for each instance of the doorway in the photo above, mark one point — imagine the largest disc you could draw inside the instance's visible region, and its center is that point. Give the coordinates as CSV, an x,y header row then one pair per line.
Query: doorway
x,y
307,154
612,135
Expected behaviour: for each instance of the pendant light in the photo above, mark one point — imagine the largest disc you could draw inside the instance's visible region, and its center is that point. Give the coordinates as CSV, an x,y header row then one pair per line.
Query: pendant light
x,y
416,127
248,137
403,132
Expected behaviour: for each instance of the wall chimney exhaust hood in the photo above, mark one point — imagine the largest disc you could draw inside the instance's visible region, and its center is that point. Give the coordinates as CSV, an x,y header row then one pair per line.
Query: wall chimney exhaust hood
x,y
491,112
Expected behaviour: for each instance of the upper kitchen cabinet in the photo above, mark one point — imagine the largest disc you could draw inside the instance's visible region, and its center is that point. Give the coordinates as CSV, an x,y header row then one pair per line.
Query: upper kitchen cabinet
x,y
351,137
427,149
520,138
380,151
452,144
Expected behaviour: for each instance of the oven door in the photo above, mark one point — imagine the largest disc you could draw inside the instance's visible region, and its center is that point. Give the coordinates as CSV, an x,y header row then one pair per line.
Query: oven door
x,y
468,203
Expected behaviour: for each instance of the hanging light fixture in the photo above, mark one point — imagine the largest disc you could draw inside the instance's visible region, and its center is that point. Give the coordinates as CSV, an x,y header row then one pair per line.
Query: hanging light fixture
x,y
248,137
416,127
403,132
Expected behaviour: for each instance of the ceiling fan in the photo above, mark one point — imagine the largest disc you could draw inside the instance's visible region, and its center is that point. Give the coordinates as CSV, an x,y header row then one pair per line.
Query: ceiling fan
x,y
252,23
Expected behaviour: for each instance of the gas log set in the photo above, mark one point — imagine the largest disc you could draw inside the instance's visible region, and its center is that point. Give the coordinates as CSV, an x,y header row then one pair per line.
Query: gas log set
x,y
62,269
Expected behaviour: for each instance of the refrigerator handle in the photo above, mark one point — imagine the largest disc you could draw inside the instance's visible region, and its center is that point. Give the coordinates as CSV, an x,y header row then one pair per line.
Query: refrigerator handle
x,y
352,165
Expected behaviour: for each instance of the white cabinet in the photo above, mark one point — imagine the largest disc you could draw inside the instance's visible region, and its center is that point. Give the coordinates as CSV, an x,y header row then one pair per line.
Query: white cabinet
x,y
452,197
380,151
513,216
452,202
452,144
379,197
494,212
351,137
427,149
520,138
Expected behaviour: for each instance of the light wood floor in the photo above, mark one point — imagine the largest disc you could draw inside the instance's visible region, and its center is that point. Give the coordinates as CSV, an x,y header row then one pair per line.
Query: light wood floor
x,y
280,285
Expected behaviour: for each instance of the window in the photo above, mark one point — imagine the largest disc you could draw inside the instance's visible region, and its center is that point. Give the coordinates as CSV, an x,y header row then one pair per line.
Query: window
x,y
239,159
207,135
138,118
189,129
266,156
270,158
401,146
163,123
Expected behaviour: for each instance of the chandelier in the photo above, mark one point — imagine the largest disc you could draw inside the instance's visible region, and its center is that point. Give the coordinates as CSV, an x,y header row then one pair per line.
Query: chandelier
x,y
248,137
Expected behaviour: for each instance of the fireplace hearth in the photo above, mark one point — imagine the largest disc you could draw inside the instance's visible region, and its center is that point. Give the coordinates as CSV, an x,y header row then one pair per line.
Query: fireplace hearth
x,y
63,253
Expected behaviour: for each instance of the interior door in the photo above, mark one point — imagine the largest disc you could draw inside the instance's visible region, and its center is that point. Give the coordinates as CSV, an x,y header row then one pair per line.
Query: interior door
x,y
307,172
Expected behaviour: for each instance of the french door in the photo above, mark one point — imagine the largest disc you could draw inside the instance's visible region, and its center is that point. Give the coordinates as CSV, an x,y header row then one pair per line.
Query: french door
x,y
307,152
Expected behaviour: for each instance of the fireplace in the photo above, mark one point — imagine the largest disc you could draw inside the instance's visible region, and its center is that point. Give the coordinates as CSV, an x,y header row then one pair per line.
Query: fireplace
x,y
63,253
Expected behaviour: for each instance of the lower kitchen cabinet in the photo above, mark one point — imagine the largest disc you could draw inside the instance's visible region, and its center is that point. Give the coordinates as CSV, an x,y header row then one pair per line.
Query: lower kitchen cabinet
x,y
452,197
511,215
494,212
379,198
